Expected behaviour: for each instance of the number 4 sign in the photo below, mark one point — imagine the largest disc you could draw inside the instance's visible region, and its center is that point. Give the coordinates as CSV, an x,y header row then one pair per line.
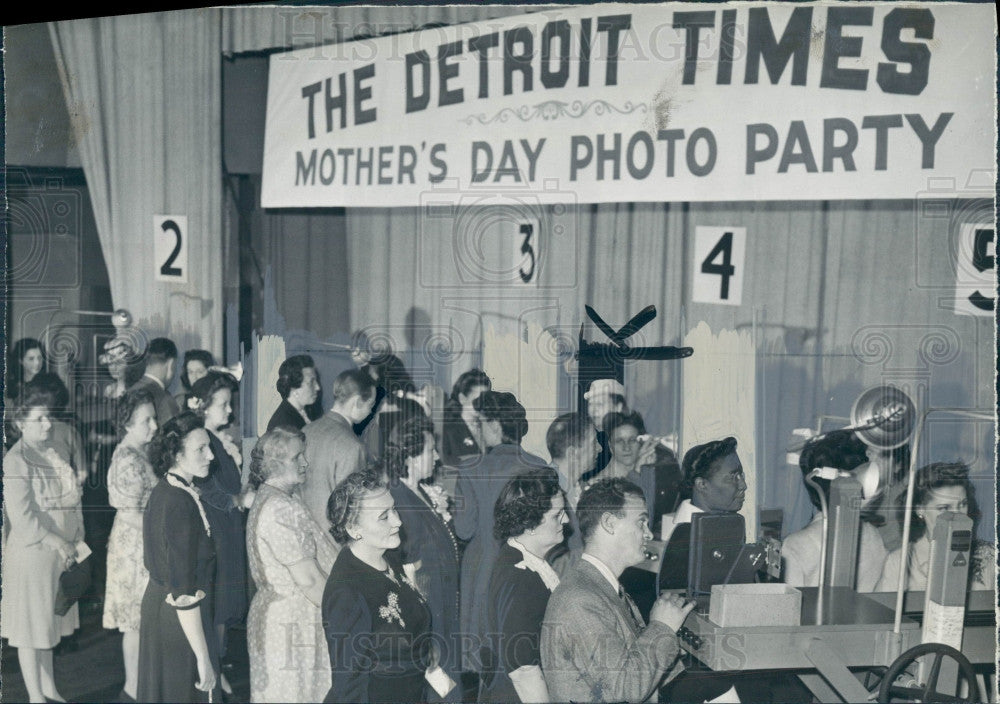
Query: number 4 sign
x,y
170,253
719,254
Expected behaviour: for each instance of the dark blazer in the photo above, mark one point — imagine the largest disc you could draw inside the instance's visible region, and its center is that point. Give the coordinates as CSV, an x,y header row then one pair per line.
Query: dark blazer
x,y
427,539
595,647
166,406
480,481
285,415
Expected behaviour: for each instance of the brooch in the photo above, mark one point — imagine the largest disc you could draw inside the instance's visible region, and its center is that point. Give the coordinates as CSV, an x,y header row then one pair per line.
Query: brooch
x,y
390,612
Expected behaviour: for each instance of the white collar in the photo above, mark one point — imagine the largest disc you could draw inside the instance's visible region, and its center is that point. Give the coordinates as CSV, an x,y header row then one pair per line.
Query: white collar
x,y
158,382
536,564
603,569
685,511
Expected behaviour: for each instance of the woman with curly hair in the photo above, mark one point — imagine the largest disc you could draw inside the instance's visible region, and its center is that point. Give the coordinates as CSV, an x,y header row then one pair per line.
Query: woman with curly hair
x,y
376,621
290,560
196,365
939,487
130,482
528,521
429,549
178,650
503,424
224,499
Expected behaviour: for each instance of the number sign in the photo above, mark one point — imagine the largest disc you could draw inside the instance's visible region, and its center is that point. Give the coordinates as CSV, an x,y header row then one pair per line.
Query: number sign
x,y
719,254
170,250
526,251
975,264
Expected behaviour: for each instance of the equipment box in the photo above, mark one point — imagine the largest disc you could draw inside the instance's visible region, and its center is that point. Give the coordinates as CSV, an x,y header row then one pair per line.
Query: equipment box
x,y
755,605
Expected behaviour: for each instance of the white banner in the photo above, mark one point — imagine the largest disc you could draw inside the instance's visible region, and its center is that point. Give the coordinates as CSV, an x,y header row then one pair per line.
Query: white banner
x,y
671,102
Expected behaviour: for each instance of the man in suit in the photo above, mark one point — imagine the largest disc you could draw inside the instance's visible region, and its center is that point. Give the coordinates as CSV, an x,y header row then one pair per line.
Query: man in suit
x,y
332,449
298,386
595,646
161,363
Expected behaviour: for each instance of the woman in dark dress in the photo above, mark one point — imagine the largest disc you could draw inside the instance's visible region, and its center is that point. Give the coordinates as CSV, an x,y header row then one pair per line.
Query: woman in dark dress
x,y
429,549
178,653
224,500
528,520
460,436
480,480
376,622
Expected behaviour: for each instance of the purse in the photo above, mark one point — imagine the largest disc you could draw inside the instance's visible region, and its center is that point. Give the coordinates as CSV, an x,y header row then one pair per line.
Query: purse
x,y
73,584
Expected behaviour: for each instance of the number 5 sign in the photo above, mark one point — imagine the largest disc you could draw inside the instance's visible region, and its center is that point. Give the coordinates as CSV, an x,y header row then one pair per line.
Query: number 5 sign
x,y
719,254
975,264
170,252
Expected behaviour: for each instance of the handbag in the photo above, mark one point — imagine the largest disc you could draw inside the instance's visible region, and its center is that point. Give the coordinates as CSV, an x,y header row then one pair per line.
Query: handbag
x,y
73,584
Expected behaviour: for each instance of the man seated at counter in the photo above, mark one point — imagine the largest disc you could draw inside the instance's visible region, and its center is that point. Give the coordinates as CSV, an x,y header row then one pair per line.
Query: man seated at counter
x,y
800,551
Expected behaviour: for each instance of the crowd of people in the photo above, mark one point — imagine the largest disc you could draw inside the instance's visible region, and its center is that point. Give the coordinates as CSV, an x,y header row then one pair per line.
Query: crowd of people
x,y
374,559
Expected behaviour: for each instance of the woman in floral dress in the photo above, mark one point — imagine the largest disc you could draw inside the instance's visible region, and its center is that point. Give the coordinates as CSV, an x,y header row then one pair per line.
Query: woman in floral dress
x,y
130,482
290,560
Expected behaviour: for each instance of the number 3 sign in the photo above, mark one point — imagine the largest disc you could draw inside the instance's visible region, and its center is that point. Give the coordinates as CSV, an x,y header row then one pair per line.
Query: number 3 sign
x,y
170,251
718,265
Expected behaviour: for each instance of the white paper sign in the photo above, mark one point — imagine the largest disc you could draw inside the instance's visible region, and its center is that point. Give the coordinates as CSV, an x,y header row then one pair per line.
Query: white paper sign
x,y
170,248
975,265
719,255
526,247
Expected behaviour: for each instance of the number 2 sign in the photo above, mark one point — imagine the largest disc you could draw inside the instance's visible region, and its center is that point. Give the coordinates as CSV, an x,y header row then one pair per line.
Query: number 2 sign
x,y
719,254
170,252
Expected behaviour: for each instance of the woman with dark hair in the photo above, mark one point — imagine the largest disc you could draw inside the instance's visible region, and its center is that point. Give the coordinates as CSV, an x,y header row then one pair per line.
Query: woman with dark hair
x,y
386,369
377,624
224,499
644,462
43,526
394,411
429,549
503,424
528,521
25,360
939,487
178,650
290,560
460,436
195,367
130,482
713,482
298,386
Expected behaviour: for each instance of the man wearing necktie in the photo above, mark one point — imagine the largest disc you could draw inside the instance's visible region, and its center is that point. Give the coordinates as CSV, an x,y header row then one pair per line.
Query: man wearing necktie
x,y
595,646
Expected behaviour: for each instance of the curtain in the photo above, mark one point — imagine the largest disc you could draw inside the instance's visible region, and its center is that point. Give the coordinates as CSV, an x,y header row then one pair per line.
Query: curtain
x,y
143,95
838,297
251,29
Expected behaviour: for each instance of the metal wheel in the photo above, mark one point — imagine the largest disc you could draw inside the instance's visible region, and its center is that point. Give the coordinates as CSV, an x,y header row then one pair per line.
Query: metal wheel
x,y
889,690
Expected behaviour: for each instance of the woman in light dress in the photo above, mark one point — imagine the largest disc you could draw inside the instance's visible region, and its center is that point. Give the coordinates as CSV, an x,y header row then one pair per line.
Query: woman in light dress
x,y
290,560
42,509
130,482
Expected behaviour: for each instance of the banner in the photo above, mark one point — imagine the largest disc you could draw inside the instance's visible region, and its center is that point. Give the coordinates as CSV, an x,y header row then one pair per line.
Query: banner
x,y
624,103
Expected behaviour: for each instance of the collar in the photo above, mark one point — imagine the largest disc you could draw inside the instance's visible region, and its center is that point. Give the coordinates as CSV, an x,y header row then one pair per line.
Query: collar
x,y
536,564
179,478
337,418
685,511
158,382
603,569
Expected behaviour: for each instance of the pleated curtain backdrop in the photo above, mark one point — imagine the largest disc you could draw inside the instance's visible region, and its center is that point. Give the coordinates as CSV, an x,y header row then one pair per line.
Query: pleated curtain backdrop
x,y
143,93
839,297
